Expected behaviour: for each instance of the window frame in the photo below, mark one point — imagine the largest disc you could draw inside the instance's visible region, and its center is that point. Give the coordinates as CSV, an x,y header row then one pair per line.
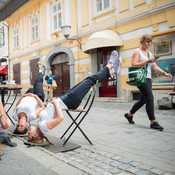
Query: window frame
x,y
103,9
56,14
15,38
2,35
34,26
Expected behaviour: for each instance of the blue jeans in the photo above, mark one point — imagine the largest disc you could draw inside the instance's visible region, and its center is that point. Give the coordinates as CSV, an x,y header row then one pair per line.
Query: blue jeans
x,y
72,98
146,98
38,87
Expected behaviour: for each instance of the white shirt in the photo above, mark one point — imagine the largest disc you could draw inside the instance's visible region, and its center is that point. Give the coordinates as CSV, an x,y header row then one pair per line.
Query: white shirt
x,y
49,113
144,58
27,105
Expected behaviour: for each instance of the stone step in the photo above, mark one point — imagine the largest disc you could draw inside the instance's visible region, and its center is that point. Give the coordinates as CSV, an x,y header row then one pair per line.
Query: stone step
x,y
109,99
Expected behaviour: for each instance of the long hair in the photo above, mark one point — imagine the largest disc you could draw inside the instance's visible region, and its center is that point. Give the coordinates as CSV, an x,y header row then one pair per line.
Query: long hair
x,y
40,139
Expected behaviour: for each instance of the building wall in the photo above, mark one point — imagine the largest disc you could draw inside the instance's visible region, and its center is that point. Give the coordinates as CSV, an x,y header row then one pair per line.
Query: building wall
x,y
129,18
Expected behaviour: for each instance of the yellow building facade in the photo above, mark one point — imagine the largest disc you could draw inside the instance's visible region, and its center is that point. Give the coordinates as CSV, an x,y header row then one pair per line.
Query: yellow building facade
x,y
97,27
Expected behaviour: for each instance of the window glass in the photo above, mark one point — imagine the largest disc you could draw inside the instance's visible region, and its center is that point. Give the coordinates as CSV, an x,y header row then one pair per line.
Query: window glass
x,y
15,38
57,17
102,5
1,36
34,28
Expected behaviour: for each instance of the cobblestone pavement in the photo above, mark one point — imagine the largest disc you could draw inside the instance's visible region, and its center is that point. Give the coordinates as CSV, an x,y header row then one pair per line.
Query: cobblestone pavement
x,y
119,147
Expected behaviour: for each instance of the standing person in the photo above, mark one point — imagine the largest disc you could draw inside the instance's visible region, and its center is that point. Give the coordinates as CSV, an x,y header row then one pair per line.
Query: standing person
x,y
4,122
1,79
140,58
26,108
50,77
52,115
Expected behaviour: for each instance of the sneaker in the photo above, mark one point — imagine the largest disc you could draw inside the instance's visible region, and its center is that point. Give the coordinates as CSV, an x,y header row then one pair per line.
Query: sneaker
x,y
129,118
43,70
156,126
115,61
39,65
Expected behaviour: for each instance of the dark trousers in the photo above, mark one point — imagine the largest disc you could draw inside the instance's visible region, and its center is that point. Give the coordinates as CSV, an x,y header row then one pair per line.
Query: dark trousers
x,y
74,96
38,87
146,98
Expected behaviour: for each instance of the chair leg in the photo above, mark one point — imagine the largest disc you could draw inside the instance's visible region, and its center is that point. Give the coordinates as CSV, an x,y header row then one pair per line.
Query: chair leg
x,y
77,126
71,124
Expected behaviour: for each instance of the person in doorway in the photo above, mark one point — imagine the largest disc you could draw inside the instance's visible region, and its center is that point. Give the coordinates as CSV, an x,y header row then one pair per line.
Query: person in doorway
x,y
1,79
50,77
26,108
4,122
52,115
142,57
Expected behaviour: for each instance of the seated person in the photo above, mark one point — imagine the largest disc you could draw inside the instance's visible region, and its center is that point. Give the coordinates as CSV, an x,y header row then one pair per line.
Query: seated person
x,y
52,115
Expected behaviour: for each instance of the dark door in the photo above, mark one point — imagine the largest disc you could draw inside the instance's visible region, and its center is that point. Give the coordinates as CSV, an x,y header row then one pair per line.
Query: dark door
x,y
33,70
17,74
109,87
62,73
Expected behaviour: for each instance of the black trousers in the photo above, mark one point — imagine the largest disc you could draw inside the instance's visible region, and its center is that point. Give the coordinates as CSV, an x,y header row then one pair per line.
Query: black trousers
x,y
146,98
38,87
74,96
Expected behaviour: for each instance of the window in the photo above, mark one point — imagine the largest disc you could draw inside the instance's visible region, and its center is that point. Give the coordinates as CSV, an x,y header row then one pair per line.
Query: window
x,y
2,36
57,17
34,25
15,38
102,5
164,47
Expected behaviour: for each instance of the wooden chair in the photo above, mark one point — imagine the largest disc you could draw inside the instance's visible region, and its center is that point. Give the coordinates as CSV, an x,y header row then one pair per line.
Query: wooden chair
x,y
81,113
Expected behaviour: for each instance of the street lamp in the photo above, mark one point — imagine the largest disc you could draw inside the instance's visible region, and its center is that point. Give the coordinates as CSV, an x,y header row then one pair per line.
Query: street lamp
x,y
66,33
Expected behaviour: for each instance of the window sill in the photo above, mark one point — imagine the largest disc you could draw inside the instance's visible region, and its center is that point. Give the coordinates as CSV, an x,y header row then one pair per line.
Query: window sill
x,y
102,14
34,41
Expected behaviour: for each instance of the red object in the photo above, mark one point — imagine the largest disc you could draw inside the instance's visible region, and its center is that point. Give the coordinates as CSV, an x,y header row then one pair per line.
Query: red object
x,y
3,69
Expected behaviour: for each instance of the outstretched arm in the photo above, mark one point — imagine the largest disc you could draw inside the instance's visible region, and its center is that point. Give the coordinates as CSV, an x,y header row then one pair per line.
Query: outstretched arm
x,y
3,117
159,70
59,116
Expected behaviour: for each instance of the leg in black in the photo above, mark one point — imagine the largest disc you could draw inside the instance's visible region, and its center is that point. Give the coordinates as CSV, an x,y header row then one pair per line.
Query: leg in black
x,y
38,86
74,96
146,96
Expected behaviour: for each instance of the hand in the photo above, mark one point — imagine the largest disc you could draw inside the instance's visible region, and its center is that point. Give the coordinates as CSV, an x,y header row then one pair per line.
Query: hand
x,y
30,95
53,100
168,75
152,60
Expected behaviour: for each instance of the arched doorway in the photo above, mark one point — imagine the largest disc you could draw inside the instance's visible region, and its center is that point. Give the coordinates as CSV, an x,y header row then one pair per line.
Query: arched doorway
x,y
60,68
61,61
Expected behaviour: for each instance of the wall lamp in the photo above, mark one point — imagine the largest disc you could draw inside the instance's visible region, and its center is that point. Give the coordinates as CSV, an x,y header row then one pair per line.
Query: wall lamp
x,y
66,33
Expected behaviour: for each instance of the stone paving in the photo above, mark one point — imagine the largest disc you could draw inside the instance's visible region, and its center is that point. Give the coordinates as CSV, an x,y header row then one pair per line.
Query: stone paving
x,y
119,148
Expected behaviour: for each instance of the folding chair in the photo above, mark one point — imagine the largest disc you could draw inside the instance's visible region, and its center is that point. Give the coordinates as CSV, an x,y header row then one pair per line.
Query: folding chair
x,y
81,112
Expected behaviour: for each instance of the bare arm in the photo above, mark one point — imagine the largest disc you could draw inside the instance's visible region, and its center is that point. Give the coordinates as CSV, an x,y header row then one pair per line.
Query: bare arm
x,y
40,103
59,116
19,101
135,59
3,117
159,70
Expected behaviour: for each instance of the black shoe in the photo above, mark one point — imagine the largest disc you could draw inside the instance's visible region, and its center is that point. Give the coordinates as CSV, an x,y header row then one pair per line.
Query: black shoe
x,y
156,126
129,118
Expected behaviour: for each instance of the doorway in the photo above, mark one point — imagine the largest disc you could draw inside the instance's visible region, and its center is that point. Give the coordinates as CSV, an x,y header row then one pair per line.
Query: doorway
x,y
109,87
33,70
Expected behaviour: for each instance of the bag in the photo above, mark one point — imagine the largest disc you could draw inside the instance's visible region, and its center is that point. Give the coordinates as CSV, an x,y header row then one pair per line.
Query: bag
x,y
54,83
137,75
